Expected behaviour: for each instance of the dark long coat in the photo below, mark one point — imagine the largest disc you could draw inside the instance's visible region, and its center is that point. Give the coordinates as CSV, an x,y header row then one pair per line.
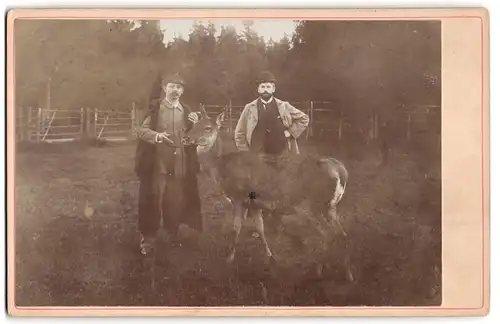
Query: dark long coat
x,y
146,154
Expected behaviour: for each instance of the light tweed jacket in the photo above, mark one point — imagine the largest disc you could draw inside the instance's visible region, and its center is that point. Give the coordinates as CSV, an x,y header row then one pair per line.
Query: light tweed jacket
x,y
294,120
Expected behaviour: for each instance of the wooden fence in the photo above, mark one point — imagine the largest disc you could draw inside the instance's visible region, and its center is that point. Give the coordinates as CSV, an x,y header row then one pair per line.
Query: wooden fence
x,y
330,121
42,125
327,121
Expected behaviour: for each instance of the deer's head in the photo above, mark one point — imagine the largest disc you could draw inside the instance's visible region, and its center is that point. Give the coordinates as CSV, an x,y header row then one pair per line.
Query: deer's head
x,y
205,133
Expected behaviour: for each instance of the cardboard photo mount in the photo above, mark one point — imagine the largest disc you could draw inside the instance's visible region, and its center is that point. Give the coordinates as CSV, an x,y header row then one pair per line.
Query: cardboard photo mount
x,y
465,159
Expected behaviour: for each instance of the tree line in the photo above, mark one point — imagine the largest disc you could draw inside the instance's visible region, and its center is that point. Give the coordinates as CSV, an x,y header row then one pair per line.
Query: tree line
x,y
359,65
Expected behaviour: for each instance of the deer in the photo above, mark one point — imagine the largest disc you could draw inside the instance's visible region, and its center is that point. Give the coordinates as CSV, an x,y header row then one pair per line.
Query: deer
x,y
237,175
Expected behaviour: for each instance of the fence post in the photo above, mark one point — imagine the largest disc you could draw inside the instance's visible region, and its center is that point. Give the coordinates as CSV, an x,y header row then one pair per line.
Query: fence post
x,y
94,134
82,123
87,122
28,124
311,107
38,124
19,130
230,116
132,119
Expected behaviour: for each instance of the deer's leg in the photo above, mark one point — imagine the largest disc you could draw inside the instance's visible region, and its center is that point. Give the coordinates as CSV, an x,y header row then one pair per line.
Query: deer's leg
x,y
347,264
259,224
334,220
239,215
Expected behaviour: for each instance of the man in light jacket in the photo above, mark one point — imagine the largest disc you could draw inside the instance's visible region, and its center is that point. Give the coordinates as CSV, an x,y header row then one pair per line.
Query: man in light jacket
x,y
266,127
267,123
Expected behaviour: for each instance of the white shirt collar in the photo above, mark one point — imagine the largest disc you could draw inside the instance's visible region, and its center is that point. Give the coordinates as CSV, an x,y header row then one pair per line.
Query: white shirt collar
x,y
174,104
266,102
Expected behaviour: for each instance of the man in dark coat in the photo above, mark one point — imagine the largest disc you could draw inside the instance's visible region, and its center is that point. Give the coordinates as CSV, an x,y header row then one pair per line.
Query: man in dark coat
x,y
167,169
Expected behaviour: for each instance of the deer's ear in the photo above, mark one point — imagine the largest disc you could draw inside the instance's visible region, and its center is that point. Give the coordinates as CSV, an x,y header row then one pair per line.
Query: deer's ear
x,y
220,118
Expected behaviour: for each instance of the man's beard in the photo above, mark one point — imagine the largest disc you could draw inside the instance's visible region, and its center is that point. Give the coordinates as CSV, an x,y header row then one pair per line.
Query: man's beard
x,y
266,95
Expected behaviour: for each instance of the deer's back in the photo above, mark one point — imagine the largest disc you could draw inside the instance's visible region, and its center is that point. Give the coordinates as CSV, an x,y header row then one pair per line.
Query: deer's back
x,y
299,177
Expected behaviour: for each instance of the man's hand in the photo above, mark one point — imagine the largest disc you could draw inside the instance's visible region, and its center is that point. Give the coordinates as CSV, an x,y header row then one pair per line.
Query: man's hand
x,y
186,140
163,138
287,134
193,117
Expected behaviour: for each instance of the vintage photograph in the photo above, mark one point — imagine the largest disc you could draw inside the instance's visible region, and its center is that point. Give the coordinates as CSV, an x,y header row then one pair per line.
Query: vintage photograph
x,y
225,162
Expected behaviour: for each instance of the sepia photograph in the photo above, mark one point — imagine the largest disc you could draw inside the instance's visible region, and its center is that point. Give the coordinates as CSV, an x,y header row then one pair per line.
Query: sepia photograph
x,y
253,162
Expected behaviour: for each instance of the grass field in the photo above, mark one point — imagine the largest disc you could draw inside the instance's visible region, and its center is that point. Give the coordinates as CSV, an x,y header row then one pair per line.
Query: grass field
x,y
392,212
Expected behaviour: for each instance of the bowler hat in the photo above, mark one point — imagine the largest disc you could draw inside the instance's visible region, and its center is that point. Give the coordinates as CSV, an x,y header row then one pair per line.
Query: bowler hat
x,y
174,78
266,76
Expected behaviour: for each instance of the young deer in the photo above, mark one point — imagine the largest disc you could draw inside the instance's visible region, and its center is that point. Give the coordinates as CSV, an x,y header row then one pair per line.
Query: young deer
x,y
250,185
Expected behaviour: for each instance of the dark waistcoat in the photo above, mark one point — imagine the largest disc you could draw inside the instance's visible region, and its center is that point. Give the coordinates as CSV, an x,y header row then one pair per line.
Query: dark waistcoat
x,y
268,135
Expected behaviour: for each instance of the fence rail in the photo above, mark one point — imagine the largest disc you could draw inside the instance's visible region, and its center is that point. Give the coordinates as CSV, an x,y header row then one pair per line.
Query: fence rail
x,y
327,121
43,125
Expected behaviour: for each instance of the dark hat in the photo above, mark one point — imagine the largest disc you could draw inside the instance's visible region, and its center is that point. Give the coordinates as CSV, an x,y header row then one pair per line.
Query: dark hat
x,y
266,76
174,78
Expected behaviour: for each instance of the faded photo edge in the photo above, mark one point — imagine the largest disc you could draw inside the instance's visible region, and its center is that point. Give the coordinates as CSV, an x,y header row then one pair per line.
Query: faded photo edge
x,y
269,311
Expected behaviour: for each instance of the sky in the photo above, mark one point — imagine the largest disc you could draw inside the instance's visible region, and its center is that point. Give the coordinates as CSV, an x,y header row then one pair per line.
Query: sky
x,y
269,29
